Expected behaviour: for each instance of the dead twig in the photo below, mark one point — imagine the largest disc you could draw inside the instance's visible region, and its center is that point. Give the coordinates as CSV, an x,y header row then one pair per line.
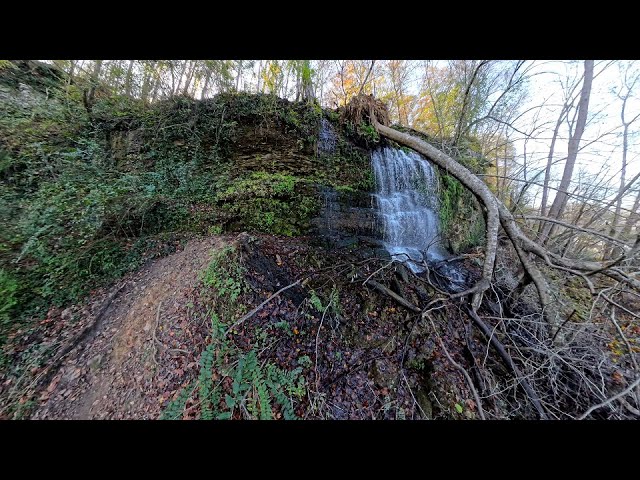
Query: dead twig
x,y
257,309
608,401
459,367
317,339
533,396
402,301
153,334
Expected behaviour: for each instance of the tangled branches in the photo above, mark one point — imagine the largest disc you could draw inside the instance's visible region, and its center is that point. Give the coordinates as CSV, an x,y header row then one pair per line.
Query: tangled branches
x,y
565,362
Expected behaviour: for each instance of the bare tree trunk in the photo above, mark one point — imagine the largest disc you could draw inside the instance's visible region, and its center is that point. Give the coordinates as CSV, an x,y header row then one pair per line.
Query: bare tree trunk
x,y
547,172
344,92
286,83
173,76
180,77
238,75
465,103
127,83
96,71
156,86
633,218
366,78
207,78
560,201
615,231
88,96
149,73
187,84
613,201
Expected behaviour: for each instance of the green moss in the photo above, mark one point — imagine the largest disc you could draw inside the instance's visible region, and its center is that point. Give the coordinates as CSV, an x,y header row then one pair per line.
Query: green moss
x,y
577,294
461,222
269,203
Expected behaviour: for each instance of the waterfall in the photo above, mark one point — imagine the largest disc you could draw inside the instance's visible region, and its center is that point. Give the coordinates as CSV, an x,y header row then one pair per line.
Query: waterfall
x,y
408,206
328,138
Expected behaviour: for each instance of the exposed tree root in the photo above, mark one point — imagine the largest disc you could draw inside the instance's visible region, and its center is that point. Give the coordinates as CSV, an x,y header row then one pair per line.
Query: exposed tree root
x,y
459,367
257,309
390,293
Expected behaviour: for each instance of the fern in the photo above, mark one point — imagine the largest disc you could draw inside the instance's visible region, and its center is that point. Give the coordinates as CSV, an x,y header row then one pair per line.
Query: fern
x,y
205,383
315,301
175,408
261,389
334,301
255,388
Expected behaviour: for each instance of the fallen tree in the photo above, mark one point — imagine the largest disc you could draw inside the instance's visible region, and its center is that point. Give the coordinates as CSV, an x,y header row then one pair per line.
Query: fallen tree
x,y
365,107
617,275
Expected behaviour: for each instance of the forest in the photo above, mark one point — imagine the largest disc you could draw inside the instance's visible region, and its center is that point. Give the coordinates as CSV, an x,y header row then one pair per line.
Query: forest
x,y
320,239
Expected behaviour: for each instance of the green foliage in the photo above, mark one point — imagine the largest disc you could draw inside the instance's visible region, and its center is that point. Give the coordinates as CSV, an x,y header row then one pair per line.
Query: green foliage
x,y
8,290
5,64
460,218
285,186
285,326
304,361
369,133
225,274
315,301
270,203
85,199
334,299
174,409
417,363
348,168
332,303
257,387
214,230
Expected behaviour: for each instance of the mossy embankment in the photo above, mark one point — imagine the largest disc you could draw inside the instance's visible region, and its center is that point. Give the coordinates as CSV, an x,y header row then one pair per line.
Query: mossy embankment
x,y
86,195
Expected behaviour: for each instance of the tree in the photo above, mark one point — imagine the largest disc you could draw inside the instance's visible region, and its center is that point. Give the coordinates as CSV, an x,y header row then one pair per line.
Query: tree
x,y
560,200
624,94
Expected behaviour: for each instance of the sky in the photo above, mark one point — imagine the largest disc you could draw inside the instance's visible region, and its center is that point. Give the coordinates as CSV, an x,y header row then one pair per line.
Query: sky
x,y
601,143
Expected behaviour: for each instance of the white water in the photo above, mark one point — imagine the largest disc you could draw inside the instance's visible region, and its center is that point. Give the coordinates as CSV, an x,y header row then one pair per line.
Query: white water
x,y
408,204
327,138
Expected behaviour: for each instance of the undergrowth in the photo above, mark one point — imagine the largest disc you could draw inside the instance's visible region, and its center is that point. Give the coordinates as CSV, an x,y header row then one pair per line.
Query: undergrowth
x,y
85,199
233,383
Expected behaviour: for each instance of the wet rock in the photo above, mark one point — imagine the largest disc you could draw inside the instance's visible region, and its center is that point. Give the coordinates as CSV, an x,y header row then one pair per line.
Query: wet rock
x,y
346,218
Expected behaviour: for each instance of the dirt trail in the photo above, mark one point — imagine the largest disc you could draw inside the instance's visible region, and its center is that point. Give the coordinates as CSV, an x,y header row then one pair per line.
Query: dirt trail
x,y
121,370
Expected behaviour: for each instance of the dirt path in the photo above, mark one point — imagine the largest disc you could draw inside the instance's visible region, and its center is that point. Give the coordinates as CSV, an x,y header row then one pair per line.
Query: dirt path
x,y
121,371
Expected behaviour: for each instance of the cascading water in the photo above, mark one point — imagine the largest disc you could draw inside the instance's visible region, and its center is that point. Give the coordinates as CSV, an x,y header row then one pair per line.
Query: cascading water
x,y
328,138
407,202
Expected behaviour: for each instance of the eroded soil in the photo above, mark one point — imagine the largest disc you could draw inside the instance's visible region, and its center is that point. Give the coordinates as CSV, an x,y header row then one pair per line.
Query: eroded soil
x,y
143,350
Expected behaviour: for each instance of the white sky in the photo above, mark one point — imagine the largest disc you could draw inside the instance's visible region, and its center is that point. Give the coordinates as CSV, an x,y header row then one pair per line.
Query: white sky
x,y
604,126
